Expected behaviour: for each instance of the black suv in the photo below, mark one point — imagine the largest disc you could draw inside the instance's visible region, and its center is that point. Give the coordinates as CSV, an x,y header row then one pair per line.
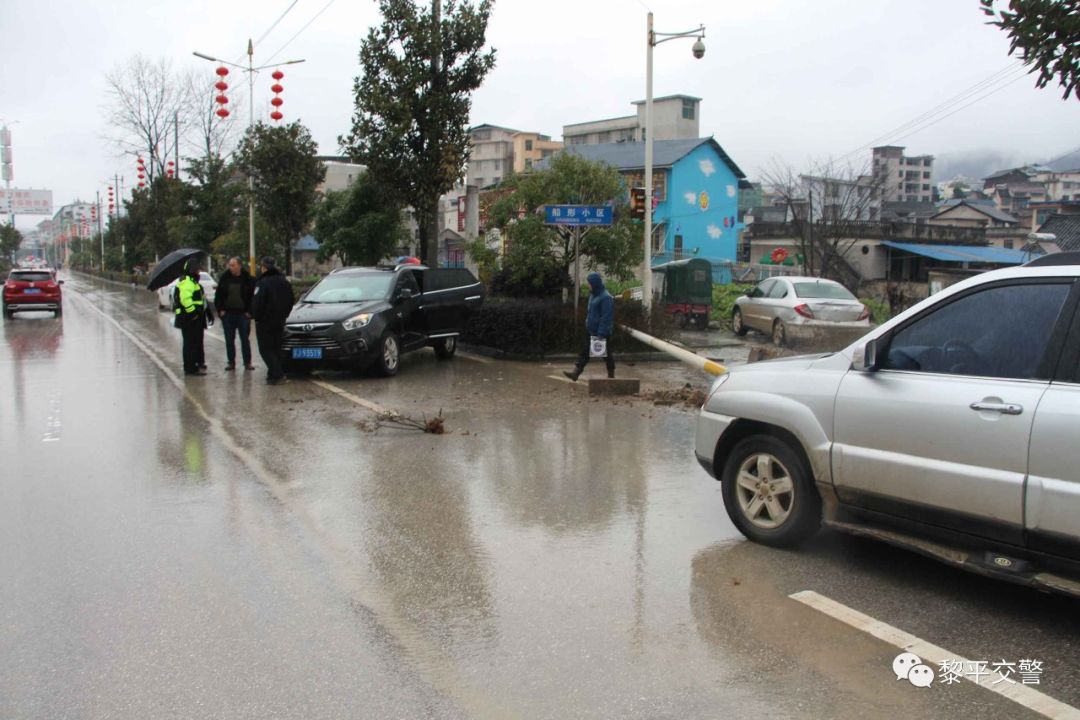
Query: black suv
x,y
357,317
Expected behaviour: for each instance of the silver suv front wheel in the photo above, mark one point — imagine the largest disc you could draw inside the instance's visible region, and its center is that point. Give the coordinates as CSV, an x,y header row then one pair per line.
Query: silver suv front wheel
x,y
769,492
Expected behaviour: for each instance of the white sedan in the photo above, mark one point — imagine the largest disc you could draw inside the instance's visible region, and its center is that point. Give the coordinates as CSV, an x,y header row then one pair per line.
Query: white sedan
x,y
776,304
209,286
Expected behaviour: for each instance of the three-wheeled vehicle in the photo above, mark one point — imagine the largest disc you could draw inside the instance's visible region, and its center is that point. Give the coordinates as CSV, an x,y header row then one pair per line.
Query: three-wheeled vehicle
x,y
685,289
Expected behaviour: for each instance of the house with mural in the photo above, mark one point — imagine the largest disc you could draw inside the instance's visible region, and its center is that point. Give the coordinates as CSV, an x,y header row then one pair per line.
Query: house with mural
x,y
695,190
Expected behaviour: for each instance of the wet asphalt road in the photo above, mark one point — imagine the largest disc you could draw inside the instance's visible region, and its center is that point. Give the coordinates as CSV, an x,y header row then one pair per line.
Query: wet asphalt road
x,y
218,548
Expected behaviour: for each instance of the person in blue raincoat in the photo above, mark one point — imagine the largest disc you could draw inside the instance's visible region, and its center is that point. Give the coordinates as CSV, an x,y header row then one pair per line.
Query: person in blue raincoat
x,y
599,322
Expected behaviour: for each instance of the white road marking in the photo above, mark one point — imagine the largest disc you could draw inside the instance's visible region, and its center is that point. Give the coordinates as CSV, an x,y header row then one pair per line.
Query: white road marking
x,y
340,392
475,358
431,660
1022,694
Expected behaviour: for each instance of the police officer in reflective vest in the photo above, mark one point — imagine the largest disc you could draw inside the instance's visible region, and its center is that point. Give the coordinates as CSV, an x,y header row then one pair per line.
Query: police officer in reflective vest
x,y
191,316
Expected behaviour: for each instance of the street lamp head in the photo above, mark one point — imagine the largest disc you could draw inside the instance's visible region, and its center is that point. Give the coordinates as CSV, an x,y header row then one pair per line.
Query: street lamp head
x,y
699,49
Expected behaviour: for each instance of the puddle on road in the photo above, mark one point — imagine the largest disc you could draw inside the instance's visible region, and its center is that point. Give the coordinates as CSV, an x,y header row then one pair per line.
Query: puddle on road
x,y
53,425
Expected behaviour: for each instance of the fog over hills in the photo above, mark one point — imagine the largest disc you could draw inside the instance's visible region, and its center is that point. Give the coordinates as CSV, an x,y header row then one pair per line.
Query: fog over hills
x,y
977,164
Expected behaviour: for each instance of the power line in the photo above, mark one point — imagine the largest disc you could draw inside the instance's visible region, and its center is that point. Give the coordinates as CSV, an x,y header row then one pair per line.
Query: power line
x,y
962,107
979,86
278,52
280,18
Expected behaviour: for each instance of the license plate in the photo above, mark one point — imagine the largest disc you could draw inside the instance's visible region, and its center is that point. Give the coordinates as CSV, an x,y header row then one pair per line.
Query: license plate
x,y
307,353
32,291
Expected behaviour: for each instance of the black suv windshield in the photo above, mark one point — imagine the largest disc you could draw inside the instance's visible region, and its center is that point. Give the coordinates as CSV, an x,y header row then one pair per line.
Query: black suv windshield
x,y
351,288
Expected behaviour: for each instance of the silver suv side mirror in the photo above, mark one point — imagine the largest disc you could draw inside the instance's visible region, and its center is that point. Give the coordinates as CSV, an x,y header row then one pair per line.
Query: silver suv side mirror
x,y
866,357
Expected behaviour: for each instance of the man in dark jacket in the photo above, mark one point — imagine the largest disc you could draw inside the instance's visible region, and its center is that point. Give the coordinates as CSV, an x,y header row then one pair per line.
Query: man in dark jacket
x,y
235,290
270,308
599,322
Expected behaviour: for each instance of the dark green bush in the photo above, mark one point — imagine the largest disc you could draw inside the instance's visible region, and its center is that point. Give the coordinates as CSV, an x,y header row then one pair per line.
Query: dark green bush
x,y
535,328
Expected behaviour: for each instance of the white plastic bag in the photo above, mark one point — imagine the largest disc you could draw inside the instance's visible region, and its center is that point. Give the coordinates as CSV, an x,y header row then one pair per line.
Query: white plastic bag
x,y
598,347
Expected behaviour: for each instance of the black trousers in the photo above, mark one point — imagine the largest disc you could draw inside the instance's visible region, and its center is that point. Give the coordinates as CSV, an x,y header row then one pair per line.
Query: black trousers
x,y
192,333
583,357
269,339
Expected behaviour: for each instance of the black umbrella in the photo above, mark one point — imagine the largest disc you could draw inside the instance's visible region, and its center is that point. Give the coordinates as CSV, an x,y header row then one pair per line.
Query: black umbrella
x,y
170,267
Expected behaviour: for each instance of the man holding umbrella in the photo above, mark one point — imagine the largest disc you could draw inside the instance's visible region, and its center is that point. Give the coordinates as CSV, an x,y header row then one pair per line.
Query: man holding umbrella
x,y
188,302
191,317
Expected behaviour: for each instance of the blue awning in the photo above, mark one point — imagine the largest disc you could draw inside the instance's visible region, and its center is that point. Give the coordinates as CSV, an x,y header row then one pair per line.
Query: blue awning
x,y
965,253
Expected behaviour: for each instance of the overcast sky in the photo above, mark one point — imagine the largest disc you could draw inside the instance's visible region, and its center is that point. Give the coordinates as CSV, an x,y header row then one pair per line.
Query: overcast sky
x,y
781,79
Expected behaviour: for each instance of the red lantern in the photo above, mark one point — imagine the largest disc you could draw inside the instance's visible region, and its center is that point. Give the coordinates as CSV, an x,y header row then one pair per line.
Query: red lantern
x,y
277,89
142,176
222,113
171,162
221,85
222,71
221,99
142,184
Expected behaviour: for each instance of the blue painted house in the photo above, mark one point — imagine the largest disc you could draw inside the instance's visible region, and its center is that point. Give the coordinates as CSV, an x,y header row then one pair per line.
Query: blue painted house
x,y
696,190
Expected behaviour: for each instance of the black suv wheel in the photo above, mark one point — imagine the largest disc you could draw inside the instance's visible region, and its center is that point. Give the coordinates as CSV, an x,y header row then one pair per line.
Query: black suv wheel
x,y
389,357
445,347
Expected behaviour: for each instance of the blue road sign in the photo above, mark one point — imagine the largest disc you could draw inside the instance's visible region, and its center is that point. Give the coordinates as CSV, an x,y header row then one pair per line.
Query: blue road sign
x,y
577,214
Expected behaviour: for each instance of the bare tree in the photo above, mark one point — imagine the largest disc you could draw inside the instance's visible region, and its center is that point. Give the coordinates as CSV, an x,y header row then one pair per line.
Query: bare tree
x,y
829,209
150,108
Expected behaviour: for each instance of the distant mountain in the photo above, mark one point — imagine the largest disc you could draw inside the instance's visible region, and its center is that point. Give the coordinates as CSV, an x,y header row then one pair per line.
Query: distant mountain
x,y
974,164
978,164
1068,162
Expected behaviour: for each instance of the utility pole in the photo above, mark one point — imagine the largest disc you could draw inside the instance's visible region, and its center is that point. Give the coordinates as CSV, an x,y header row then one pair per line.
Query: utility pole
x,y
101,235
176,142
430,256
8,171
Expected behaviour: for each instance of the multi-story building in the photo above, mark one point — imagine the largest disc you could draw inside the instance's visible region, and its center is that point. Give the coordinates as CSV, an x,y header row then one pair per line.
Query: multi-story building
x,y
695,189
498,151
341,173
899,178
675,117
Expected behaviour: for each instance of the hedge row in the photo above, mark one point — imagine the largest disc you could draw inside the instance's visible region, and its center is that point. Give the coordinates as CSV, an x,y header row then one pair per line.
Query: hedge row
x,y
535,328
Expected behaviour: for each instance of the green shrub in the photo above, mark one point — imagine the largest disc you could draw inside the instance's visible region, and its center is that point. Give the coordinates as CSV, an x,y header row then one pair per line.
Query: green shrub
x,y
723,301
879,310
535,328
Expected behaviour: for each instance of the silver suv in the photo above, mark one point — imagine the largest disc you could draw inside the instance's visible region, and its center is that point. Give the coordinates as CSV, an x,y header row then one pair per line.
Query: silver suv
x,y
953,430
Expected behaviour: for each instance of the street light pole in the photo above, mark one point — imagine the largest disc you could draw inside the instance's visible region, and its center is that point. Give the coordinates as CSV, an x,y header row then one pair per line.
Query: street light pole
x,y
646,270
699,52
250,70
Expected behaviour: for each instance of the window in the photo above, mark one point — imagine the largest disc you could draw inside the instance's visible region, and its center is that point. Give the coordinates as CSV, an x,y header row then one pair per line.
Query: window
x,y
926,176
823,290
528,144
528,163
927,162
688,109
1000,332
779,290
763,289
407,282
926,187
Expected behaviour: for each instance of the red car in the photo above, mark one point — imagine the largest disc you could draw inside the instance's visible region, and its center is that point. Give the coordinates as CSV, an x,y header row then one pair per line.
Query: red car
x,y
34,290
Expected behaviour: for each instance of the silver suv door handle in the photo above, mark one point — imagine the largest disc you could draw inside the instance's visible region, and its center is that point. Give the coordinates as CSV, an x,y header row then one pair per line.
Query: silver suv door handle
x,y
1003,408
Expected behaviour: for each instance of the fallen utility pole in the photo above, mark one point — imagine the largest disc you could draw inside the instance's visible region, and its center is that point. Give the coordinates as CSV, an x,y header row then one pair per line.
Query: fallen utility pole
x,y
703,364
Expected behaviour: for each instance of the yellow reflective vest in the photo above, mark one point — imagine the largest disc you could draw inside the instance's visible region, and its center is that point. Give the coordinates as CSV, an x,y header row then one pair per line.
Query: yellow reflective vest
x,y
189,296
